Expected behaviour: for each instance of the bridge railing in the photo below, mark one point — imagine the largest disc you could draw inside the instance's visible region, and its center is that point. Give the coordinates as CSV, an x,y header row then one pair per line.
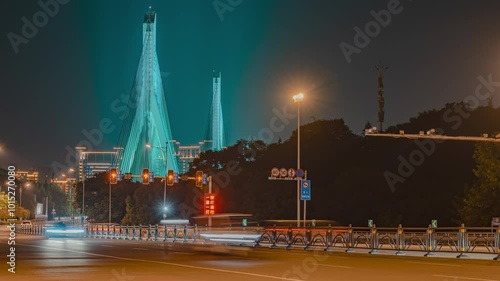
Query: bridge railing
x,y
461,240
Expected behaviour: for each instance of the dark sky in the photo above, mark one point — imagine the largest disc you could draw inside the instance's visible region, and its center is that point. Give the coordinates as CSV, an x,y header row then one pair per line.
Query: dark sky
x,y
65,78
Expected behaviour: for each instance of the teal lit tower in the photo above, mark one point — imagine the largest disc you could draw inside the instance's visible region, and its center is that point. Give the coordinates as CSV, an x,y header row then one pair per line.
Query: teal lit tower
x,y
215,130
146,121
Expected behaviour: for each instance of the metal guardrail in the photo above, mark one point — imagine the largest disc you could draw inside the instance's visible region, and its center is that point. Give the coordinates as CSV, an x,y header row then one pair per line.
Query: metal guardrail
x,y
459,240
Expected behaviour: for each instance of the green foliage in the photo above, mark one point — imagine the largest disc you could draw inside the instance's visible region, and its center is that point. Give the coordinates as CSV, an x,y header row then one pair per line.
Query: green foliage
x,y
482,200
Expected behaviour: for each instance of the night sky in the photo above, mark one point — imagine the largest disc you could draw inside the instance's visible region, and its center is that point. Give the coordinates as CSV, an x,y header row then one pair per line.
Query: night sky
x,y
66,77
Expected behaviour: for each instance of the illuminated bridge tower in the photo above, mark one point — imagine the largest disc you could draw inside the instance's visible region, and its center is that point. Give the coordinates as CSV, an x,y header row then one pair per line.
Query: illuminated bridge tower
x,y
147,121
215,130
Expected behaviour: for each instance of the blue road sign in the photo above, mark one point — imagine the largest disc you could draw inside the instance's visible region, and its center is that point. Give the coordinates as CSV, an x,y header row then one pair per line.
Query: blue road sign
x,y
305,190
205,179
151,176
176,178
120,177
300,173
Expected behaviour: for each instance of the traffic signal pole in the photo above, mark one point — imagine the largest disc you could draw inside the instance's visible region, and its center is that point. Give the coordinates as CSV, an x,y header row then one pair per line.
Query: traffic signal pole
x,y
109,219
210,192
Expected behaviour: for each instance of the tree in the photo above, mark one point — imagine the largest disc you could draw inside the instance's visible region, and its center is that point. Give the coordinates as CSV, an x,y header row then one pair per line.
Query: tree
x,y
481,200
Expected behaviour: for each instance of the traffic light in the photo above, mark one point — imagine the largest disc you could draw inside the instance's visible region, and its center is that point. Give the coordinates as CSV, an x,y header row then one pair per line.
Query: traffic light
x,y
170,178
113,176
199,178
145,176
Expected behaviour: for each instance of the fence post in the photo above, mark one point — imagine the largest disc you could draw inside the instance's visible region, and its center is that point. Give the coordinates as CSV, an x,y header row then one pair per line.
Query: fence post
x,y
175,233
429,241
308,241
195,232
374,238
497,244
328,240
273,237
463,242
289,237
400,240
165,233
185,234
350,240
140,232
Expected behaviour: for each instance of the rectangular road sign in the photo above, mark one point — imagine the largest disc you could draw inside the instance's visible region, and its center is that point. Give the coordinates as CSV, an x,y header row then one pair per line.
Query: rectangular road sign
x,y
244,222
434,224
370,223
305,190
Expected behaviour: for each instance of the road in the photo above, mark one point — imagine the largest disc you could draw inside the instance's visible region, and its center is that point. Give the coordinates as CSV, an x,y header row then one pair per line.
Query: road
x,y
39,258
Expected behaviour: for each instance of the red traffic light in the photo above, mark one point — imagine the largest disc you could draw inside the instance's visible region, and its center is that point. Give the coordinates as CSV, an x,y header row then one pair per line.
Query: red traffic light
x,y
170,178
199,178
145,176
113,175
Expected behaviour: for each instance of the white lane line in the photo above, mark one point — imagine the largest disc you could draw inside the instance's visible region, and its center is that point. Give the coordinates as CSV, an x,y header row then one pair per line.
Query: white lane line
x,y
173,264
336,266
434,263
464,278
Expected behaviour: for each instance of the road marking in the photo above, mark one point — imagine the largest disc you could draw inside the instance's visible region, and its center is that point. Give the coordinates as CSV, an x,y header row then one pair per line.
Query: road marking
x,y
175,264
464,278
140,249
432,263
336,266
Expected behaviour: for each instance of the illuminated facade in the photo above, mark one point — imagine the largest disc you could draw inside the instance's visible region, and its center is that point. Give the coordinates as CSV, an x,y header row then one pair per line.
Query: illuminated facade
x,y
27,176
215,131
91,163
64,183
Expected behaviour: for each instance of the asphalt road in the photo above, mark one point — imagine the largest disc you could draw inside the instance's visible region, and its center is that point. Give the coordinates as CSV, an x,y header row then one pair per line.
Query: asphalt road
x,y
39,258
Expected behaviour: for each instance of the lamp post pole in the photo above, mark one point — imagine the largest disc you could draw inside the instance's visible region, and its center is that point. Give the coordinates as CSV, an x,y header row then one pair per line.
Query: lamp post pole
x,y
298,98
165,182
298,163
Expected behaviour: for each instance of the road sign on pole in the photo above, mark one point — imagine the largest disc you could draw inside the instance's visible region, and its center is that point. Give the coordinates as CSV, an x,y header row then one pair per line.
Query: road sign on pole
x,y
434,223
283,172
370,223
275,172
244,222
299,173
305,190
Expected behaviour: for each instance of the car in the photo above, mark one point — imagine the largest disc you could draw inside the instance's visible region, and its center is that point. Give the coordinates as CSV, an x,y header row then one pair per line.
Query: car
x,y
61,229
26,222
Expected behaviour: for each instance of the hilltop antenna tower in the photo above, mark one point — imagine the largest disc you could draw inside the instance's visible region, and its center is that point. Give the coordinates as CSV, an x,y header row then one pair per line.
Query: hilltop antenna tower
x,y
380,69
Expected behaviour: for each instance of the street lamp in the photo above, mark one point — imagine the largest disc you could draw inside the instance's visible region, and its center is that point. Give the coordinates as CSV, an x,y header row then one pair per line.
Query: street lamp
x,y
165,153
297,99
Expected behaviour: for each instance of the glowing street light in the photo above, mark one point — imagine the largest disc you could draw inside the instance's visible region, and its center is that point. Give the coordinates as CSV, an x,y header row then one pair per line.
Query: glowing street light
x,y
298,97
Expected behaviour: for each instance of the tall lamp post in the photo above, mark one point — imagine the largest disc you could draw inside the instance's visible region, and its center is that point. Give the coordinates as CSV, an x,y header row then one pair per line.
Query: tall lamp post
x,y
297,99
165,159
